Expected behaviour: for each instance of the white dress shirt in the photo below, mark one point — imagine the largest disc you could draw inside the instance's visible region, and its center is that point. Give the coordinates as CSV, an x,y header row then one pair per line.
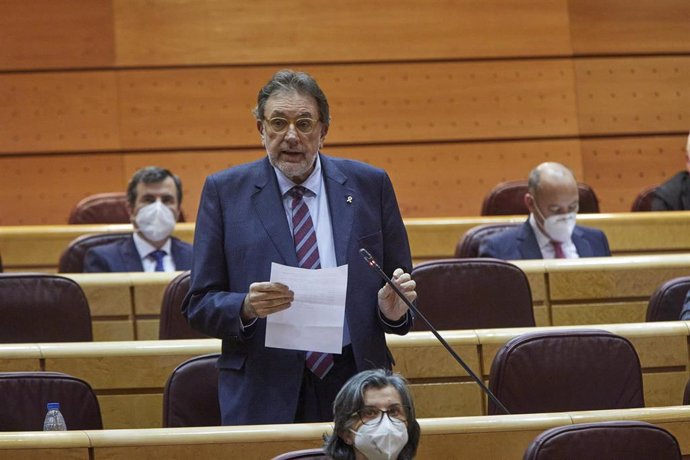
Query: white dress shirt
x,y
545,246
144,248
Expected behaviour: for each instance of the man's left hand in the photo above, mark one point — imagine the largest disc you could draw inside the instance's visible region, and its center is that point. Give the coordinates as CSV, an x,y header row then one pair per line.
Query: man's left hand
x,y
392,306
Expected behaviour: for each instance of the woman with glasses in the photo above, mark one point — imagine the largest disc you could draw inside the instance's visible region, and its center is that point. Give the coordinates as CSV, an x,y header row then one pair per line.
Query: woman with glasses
x,y
374,419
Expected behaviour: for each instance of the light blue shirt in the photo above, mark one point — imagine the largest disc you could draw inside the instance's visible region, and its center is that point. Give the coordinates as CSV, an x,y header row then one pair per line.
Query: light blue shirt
x,y
316,200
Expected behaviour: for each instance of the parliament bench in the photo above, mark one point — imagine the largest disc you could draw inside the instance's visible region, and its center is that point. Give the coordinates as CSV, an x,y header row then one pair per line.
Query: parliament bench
x,y
38,247
126,306
128,377
498,437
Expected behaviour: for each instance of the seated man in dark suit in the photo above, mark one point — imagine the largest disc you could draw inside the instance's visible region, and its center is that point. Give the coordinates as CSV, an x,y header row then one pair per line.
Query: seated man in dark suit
x,y
674,194
154,195
550,231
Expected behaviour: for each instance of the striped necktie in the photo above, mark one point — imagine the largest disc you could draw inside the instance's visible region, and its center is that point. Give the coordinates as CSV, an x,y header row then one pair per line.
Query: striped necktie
x,y
307,251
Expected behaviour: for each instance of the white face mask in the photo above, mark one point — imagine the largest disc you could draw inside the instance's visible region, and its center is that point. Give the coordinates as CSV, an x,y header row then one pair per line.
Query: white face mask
x,y
558,227
383,441
155,221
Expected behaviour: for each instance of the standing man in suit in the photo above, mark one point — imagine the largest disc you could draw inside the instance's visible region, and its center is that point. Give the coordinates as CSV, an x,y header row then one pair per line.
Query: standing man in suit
x,y
258,213
550,231
153,196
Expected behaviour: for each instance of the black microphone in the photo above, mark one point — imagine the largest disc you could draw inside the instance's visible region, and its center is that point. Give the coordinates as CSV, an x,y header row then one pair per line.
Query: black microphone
x,y
369,259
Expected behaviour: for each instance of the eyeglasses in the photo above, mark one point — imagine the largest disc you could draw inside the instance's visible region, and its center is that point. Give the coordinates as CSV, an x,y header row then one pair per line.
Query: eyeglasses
x,y
280,125
370,415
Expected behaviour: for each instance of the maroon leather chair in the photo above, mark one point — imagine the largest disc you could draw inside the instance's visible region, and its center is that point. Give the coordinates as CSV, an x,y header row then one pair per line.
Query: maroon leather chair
x,y
472,294
1,268
686,394
25,395
468,245
306,454
666,302
619,440
173,324
568,370
104,208
101,208
508,198
643,201
72,258
38,307
190,397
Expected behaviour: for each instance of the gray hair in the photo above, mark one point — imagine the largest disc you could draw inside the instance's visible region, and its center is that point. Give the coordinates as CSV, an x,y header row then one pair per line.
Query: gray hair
x,y
285,81
350,399
151,175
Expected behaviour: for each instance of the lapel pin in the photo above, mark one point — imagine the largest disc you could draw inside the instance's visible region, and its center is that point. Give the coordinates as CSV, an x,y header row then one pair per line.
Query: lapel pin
x,y
349,199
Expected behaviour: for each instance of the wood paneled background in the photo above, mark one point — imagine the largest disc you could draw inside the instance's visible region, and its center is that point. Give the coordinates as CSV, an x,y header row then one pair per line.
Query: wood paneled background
x,y
449,96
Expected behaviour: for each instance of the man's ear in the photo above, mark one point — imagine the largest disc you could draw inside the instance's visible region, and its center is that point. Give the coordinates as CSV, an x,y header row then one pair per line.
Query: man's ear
x,y
324,131
260,128
529,202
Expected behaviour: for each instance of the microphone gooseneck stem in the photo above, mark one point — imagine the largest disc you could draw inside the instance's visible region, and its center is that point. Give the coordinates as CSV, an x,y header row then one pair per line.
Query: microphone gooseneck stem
x,y
372,263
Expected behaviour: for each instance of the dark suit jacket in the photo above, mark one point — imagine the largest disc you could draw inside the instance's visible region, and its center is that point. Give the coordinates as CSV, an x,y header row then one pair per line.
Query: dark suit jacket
x,y
521,243
674,194
122,256
241,228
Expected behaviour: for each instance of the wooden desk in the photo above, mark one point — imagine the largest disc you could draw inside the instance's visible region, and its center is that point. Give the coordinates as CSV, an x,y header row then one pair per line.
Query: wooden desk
x,y
126,306
39,247
500,437
129,377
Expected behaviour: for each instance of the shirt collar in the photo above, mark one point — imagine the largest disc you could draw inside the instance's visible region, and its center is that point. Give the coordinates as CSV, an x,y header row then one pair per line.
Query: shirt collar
x,y
542,240
144,248
313,182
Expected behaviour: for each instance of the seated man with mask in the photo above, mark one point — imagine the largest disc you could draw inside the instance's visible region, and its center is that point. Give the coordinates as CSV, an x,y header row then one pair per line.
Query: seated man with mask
x,y
550,231
154,195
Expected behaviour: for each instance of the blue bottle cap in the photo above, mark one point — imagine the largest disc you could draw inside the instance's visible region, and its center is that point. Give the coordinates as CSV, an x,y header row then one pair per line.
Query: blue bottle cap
x,y
53,406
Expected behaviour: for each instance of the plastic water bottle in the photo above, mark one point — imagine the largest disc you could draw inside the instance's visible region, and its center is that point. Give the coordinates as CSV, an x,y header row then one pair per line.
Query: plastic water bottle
x,y
54,420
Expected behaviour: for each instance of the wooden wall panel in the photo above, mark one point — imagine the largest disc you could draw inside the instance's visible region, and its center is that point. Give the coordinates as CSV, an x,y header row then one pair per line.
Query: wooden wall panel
x,y
41,34
43,189
629,26
618,169
434,179
369,103
160,32
58,111
633,95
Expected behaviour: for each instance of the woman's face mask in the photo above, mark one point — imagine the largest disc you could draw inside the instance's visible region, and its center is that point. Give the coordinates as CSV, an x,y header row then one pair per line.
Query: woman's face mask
x,y
382,441
155,221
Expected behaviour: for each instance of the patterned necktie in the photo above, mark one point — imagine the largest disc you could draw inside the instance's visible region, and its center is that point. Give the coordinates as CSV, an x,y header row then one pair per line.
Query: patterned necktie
x,y
307,250
158,255
558,250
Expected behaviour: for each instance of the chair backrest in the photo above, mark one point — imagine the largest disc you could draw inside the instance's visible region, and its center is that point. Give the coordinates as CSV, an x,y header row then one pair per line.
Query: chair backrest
x,y
173,324
643,201
305,454
507,198
666,302
25,395
72,258
104,208
472,294
567,370
37,307
101,208
619,440
190,397
468,244
1,268
686,394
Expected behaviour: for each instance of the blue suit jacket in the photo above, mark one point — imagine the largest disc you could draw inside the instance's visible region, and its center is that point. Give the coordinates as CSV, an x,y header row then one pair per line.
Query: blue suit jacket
x,y
521,243
122,256
241,228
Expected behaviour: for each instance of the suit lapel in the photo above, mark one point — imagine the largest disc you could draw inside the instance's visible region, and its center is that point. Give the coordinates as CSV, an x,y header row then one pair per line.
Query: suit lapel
x,y
180,257
584,249
342,201
528,245
268,205
130,256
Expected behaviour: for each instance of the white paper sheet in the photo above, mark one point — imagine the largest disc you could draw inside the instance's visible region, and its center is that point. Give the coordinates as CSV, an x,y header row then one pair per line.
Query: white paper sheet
x,y
314,321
